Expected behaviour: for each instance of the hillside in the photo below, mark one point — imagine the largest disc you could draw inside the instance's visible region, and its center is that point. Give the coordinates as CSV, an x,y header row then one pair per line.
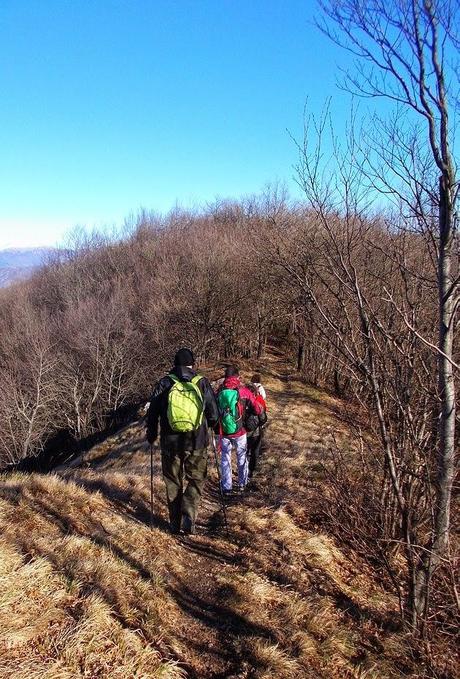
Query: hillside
x,y
89,589
17,263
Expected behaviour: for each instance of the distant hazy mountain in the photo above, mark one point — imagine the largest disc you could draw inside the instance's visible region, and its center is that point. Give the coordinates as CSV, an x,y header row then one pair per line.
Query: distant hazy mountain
x,y
17,263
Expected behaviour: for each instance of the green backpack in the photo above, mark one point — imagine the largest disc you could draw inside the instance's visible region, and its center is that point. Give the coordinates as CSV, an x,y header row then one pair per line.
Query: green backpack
x,y
230,411
185,405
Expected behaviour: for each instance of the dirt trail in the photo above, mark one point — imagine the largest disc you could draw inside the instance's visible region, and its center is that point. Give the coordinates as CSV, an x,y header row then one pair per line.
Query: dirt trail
x,y
272,599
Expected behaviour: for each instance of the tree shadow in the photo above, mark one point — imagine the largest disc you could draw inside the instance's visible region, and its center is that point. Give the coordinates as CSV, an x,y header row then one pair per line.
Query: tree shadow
x,y
95,532
209,607
127,604
358,613
204,549
127,500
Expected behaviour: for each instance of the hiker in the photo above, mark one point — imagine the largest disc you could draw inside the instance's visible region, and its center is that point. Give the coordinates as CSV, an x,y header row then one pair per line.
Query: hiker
x,y
255,430
256,381
184,403
234,401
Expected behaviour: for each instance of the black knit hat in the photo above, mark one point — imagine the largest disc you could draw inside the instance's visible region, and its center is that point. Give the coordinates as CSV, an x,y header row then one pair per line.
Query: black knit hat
x,y
184,357
231,371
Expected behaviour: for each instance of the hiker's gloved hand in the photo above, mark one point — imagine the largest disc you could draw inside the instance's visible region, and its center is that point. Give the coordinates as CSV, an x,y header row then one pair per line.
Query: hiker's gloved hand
x,y
151,438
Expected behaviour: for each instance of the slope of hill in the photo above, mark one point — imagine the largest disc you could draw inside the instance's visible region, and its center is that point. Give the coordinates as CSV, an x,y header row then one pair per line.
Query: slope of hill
x,y
17,263
90,589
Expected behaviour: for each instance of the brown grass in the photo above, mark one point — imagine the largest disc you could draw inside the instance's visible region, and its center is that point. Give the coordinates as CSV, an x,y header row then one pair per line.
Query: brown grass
x,y
89,589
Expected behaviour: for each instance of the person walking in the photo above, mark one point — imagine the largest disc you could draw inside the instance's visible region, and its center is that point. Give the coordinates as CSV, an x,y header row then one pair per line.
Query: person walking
x,y
255,430
256,381
235,401
184,405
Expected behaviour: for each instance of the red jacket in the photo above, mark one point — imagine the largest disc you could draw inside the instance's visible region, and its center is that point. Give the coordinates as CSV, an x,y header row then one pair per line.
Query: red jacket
x,y
247,399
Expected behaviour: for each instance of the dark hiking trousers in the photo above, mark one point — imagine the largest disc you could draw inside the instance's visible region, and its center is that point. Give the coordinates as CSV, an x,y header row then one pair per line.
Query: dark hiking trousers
x,y
254,444
185,468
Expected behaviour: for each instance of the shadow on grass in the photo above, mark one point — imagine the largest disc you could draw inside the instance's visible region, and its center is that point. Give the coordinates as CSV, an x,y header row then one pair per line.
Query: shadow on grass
x,y
127,500
127,603
94,530
212,608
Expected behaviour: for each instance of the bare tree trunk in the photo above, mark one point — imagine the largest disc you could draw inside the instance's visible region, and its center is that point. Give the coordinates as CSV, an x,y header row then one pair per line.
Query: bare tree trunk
x,y
447,304
446,384
301,354
337,387
260,335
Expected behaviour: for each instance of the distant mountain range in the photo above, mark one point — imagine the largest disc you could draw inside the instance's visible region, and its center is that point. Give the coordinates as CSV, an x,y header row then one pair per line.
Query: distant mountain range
x,y
18,263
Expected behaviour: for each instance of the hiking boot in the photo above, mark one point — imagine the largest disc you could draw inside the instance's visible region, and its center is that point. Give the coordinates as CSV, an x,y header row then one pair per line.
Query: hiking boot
x,y
226,493
241,488
188,526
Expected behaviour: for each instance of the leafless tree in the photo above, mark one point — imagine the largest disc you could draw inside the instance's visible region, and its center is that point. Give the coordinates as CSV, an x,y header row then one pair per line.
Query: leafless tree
x,y
405,52
31,391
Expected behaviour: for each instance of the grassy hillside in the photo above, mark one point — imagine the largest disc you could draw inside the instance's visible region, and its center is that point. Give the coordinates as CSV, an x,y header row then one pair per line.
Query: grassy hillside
x,y
89,589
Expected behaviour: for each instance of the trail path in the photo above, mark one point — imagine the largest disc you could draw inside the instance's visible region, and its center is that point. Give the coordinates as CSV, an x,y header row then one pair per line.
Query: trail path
x,y
274,598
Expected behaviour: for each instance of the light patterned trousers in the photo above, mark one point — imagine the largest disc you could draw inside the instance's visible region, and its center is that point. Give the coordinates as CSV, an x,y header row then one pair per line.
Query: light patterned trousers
x,y
241,445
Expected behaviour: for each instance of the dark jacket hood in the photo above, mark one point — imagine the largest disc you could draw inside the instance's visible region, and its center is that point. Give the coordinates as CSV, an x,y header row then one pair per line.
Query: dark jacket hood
x,y
184,373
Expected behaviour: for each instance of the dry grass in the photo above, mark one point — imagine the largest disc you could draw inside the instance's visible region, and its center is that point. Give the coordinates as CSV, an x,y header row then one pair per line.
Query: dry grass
x,y
88,589
51,628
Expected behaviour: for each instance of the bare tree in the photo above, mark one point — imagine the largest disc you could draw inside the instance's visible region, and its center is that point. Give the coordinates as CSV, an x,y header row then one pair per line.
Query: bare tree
x,y
405,52
31,392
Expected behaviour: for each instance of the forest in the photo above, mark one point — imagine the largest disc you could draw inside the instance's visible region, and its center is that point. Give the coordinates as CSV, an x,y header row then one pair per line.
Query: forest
x,y
351,300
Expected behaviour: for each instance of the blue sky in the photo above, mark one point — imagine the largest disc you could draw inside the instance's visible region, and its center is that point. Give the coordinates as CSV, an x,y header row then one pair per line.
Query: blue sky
x,y
109,106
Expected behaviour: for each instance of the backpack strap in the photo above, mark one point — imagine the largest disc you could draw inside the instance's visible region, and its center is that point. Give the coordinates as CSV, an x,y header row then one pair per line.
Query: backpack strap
x,y
195,381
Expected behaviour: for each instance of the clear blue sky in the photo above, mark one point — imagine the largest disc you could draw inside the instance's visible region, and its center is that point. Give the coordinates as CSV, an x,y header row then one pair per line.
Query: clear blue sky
x,y
107,106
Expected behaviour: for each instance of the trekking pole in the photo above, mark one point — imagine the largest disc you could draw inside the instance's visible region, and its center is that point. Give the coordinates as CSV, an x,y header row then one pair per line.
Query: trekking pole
x,y
221,492
151,486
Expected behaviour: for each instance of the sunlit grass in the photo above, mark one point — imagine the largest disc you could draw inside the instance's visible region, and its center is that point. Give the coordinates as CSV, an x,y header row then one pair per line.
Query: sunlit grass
x,y
89,589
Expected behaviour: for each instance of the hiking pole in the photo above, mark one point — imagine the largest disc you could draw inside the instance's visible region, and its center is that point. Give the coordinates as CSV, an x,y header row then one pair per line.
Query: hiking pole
x,y
221,492
151,486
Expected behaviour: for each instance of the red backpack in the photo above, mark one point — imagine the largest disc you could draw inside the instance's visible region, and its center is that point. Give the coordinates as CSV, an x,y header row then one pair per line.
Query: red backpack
x,y
261,401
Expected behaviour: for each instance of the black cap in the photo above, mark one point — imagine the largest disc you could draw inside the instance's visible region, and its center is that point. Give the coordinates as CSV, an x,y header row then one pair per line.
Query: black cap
x,y
231,371
184,357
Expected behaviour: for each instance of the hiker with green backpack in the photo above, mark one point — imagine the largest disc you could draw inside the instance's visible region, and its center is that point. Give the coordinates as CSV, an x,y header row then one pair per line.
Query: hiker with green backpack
x,y
235,402
184,404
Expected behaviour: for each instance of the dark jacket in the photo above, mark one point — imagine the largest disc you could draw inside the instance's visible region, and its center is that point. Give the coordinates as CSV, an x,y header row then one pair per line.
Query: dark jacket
x,y
170,440
253,423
